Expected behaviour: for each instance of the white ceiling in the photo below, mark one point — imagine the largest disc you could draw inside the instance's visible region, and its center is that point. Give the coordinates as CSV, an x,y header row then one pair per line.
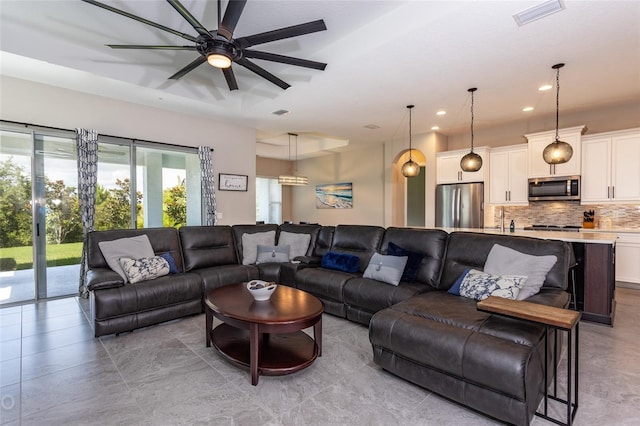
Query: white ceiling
x,y
381,56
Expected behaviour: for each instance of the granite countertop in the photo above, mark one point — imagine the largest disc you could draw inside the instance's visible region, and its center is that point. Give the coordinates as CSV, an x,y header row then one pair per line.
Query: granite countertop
x,y
578,237
613,230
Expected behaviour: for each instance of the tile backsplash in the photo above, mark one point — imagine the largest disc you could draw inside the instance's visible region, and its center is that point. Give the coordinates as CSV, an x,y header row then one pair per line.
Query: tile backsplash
x,y
569,213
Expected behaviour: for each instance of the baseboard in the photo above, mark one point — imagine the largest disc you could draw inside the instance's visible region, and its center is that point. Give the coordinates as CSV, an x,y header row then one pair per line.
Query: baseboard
x,y
623,284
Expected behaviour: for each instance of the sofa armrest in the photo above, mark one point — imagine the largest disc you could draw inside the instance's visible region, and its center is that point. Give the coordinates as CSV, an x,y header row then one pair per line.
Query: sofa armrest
x,y
101,278
309,260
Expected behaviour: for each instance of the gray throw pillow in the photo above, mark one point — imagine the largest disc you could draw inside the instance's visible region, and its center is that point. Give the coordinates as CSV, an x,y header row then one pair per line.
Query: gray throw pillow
x,y
250,245
506,261
132,247
298,243
143,269
479,285
272,254
387,269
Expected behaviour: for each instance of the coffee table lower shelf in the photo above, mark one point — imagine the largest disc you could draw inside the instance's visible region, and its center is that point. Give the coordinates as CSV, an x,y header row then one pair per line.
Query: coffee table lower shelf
x,y
280,354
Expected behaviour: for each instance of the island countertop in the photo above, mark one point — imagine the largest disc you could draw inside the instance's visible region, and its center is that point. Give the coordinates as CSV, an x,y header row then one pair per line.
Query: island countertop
x,y
573,237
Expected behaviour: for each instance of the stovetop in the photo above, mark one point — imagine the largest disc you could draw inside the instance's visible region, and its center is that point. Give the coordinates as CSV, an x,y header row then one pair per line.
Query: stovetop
x,y
565,228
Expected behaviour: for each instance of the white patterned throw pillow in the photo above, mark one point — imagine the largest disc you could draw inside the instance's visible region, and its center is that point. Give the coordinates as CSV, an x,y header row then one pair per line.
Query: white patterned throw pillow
x,y
480,285
143,269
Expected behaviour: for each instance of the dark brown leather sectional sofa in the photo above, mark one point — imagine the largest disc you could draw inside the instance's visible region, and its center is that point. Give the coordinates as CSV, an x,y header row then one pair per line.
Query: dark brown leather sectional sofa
x,y
418,330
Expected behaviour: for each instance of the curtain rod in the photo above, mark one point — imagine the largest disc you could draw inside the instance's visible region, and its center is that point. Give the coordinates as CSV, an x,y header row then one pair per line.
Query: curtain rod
x,y
100,134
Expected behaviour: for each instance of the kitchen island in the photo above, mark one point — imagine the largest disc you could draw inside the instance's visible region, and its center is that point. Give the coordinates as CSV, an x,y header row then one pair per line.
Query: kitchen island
x,y
594,274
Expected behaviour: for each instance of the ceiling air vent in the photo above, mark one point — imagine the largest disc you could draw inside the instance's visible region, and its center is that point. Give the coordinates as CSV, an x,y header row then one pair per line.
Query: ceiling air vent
x,y
280,112
539,11
372,126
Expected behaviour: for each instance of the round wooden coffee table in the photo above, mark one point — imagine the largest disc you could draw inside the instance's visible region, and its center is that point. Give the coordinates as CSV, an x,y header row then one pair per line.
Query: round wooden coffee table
x,y
265,336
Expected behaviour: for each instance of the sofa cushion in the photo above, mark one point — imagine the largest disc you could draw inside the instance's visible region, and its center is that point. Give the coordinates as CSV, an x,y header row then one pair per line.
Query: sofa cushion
x,y
250,244
298,243
414,259
357,240
207,246
272,254
132,247
340,262
145,268
479,285
506,261
387,269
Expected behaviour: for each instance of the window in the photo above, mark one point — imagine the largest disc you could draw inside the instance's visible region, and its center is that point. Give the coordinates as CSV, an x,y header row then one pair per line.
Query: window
x,y
268,200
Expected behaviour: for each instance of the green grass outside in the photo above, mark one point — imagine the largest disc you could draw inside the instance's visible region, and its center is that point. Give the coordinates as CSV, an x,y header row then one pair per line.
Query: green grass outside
x,y
57,255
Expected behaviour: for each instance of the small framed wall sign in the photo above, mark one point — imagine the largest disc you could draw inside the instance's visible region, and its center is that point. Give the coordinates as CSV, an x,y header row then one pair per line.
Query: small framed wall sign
x,y
228,182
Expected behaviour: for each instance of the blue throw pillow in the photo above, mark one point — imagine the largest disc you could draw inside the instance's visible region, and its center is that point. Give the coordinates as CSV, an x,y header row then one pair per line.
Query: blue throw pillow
x,y
414,259
455,288
341,262
173,268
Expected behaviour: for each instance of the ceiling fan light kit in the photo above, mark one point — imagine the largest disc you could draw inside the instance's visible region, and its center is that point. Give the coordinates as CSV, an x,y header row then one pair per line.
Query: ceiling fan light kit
x,y
220,49
471,162
410,168
557,152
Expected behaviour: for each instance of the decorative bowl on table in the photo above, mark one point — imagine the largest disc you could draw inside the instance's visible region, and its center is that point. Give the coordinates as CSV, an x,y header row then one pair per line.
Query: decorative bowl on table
x,y
261,290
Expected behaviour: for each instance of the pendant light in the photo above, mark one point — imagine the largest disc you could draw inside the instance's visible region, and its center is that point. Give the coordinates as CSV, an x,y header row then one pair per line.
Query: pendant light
x,y
557,152
471,162
410,168
293,180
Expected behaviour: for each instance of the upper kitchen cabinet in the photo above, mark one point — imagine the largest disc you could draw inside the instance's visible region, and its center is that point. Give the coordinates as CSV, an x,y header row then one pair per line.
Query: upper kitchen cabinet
x,y
610,172
448,166
508,176
538,141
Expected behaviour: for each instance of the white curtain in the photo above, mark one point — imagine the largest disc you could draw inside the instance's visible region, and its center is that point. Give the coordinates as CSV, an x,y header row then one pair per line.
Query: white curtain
x,y
208,184
87,144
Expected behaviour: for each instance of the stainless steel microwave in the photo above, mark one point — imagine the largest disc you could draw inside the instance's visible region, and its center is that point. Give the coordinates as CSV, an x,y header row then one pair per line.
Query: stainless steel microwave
x,y
554,188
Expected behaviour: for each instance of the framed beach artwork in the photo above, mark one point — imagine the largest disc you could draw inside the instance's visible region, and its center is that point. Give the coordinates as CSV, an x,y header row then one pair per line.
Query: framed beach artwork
x,y
334,196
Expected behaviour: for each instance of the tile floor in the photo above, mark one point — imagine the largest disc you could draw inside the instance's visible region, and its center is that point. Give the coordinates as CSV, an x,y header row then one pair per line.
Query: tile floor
x,y
54,372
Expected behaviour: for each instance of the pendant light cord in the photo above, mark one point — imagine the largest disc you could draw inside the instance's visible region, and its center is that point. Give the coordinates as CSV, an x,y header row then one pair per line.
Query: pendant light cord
x,y
557,102
472,120
410,108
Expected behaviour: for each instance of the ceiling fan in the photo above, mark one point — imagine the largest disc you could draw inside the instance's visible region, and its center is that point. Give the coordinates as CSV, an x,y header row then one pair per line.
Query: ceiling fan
x,y
219,48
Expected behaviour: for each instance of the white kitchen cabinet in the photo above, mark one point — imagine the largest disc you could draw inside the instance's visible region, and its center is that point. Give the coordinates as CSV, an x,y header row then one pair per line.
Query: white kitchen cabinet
x,y
448,166
538,141
627,255
610,172
508,176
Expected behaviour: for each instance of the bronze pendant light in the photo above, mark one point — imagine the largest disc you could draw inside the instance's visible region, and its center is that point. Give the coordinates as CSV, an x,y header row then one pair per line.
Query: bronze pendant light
x,y
410,168
471,162
294,179
557,152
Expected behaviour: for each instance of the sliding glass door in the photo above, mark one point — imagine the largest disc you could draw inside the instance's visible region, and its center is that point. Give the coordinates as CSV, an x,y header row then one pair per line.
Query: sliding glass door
x,y
41,233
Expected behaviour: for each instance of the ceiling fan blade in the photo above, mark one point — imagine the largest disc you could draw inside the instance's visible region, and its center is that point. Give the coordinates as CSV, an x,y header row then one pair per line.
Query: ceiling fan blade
x,y
189,17
193,65
262,73
254,54
143,46
139,19
231,78
231,17
287,32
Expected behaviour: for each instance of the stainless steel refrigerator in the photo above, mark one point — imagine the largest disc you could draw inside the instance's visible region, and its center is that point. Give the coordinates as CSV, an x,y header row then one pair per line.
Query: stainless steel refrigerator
x,y
460,205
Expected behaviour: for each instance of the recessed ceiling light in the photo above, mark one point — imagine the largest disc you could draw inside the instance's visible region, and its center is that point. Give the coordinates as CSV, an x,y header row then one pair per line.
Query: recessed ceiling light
x,y
538,11
435,128
281,112
441,112
527,109
545,87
